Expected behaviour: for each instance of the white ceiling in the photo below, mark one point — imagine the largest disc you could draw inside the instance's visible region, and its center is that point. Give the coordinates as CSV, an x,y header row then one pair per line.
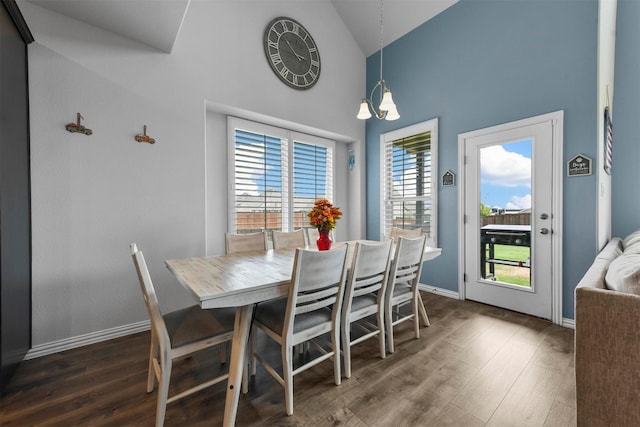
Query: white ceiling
x,y
156,23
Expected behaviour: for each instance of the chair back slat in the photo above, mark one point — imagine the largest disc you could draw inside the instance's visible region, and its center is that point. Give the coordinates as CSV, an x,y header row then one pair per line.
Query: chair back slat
x,y
369,268
317,281
407,263
288,240
397,232
253,242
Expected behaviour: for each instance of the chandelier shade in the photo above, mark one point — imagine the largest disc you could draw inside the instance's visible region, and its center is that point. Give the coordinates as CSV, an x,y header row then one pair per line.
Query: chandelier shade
x,y
386,108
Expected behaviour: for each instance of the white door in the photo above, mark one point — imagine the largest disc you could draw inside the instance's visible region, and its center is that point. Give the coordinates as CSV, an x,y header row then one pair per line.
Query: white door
x,y
510,216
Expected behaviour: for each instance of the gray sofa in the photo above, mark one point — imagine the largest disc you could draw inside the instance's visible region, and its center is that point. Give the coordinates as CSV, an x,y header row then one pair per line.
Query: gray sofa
x,y
607,337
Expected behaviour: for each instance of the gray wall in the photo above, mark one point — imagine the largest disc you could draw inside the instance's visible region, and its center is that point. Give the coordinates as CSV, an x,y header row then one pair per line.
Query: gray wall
x,y
482,63
93,195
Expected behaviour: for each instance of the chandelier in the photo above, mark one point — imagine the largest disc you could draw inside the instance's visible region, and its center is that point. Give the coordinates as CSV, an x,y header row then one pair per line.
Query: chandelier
x,y
387,108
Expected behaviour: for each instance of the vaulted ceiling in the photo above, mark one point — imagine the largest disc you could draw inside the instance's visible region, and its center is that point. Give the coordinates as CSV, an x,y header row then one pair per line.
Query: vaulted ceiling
x,y
156,23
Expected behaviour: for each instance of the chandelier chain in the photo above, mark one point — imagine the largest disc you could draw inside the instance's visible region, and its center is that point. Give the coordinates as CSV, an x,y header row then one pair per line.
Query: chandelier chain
x,y
381,38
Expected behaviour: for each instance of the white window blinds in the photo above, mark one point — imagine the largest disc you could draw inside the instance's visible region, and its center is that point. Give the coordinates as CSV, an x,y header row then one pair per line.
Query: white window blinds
x,y
275,180
408,182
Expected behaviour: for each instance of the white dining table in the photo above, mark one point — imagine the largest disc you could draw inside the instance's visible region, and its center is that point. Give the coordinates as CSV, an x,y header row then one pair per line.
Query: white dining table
x,y
240,281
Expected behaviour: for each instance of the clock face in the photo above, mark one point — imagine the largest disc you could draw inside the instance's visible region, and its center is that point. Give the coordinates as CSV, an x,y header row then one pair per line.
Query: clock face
x,y
292,53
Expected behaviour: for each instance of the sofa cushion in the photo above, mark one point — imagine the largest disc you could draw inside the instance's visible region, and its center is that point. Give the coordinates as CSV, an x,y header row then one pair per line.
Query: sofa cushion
x,y
631,239
634,248
623,274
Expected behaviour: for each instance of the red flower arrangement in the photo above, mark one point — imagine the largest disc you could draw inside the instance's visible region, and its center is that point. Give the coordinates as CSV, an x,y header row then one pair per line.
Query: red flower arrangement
x,y
324,215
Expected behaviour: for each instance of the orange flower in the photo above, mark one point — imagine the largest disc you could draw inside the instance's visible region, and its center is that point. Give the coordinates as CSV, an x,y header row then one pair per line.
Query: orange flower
x,y
324,215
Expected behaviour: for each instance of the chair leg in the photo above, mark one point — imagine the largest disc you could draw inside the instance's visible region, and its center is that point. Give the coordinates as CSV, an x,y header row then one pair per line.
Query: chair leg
x,y
346,347
423,312
381,334
416,315
389,324
151,378
248,351
287,375
335,344
163,393
252,348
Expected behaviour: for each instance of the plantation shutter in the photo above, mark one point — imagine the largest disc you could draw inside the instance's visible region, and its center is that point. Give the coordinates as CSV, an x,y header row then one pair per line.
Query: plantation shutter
x,y
407,185
260,193
275,176
312,178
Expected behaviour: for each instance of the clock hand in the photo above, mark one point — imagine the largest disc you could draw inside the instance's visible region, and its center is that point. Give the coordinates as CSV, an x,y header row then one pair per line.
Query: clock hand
x,y
300,57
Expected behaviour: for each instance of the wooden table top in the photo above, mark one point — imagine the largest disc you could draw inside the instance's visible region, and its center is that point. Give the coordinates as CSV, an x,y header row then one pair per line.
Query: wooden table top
x,y
240,279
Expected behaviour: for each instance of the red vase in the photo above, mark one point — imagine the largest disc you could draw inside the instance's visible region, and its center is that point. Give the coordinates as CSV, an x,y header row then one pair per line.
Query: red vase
x,y
324,241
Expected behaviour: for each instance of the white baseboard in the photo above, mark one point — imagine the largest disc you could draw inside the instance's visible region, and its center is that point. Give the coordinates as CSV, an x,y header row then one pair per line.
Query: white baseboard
x,y
439,291
567,323
86,339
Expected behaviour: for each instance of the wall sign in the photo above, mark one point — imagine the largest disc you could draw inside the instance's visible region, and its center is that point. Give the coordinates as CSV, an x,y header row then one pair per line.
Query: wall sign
x,y
580,165
448,179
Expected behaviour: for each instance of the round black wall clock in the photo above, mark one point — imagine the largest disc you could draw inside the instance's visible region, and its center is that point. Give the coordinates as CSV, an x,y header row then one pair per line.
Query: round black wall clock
x,y
292,53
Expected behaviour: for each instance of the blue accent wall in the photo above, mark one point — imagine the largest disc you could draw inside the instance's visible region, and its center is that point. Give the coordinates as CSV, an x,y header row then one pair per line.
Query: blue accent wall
x,y
482,63
625,173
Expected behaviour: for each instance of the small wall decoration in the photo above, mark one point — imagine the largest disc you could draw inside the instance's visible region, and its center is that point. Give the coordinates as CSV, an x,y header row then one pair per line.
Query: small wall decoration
x,y
448,179
144,137
352,159
77,127
608,140
580,165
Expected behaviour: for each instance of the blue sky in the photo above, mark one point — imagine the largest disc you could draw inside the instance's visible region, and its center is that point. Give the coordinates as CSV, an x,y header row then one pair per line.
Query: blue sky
x,y
506,175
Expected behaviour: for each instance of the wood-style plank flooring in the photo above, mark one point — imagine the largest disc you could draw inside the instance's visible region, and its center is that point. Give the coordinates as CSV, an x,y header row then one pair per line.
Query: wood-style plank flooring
x,y
475,365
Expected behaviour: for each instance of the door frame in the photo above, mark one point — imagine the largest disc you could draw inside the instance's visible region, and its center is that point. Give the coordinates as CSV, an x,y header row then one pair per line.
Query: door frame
x,y
557,121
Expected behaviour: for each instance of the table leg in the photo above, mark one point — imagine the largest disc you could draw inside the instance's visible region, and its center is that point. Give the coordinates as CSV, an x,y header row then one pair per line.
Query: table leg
x,y
237,363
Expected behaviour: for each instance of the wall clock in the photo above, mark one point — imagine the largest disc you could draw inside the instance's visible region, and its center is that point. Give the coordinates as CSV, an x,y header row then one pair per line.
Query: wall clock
x,y
292,53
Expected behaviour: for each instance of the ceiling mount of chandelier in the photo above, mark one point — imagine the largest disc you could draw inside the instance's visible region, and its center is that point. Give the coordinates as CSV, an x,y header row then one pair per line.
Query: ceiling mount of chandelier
x,y
387,108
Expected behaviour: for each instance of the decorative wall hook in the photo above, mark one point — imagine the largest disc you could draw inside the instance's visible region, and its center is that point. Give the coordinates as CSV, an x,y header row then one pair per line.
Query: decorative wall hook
x,y
144,137
77,127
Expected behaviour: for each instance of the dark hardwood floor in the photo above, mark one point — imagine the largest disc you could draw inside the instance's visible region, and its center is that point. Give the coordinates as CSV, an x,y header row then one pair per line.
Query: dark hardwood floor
x,y
475,365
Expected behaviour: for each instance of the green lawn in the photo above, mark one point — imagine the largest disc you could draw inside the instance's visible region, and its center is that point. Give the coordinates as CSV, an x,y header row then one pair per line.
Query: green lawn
x,y
512,274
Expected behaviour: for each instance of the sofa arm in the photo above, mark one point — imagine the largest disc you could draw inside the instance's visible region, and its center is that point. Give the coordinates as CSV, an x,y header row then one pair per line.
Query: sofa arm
x,y
607,357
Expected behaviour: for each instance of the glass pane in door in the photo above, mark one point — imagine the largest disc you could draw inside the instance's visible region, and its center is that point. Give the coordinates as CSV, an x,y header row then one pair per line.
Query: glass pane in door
x,y
505,213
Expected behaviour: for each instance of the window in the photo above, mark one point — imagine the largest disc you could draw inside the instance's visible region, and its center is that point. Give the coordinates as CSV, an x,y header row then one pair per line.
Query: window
x,y
409,179
276,176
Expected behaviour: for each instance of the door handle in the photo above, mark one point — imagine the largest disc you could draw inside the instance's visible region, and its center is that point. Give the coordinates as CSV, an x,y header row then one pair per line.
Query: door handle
x,y
544,231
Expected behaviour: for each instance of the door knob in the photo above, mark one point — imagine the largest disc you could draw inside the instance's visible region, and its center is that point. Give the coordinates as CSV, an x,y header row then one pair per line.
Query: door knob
x,y
544,231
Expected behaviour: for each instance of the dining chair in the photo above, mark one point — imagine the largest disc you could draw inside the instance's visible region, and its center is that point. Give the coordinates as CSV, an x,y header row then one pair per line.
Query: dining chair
x,y
402,287
364,297
312,308
288,239
177,335
397,232
251,242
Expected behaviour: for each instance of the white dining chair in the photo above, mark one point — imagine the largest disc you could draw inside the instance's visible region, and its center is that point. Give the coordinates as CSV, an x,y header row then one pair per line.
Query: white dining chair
x,y
177,335
288,239
397,232
251,242
402,288
364,297
312,308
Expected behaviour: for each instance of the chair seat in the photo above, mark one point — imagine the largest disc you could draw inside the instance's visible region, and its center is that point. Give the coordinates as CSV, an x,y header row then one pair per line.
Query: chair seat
x,y
401,289
192,324
364,301
271,314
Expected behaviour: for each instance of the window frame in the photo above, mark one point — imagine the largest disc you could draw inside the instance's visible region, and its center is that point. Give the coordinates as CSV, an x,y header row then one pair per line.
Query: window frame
x,y
287,137
385,138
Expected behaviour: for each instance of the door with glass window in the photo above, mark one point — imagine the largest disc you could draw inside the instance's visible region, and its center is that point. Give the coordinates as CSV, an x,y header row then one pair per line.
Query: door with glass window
x,y
508,217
